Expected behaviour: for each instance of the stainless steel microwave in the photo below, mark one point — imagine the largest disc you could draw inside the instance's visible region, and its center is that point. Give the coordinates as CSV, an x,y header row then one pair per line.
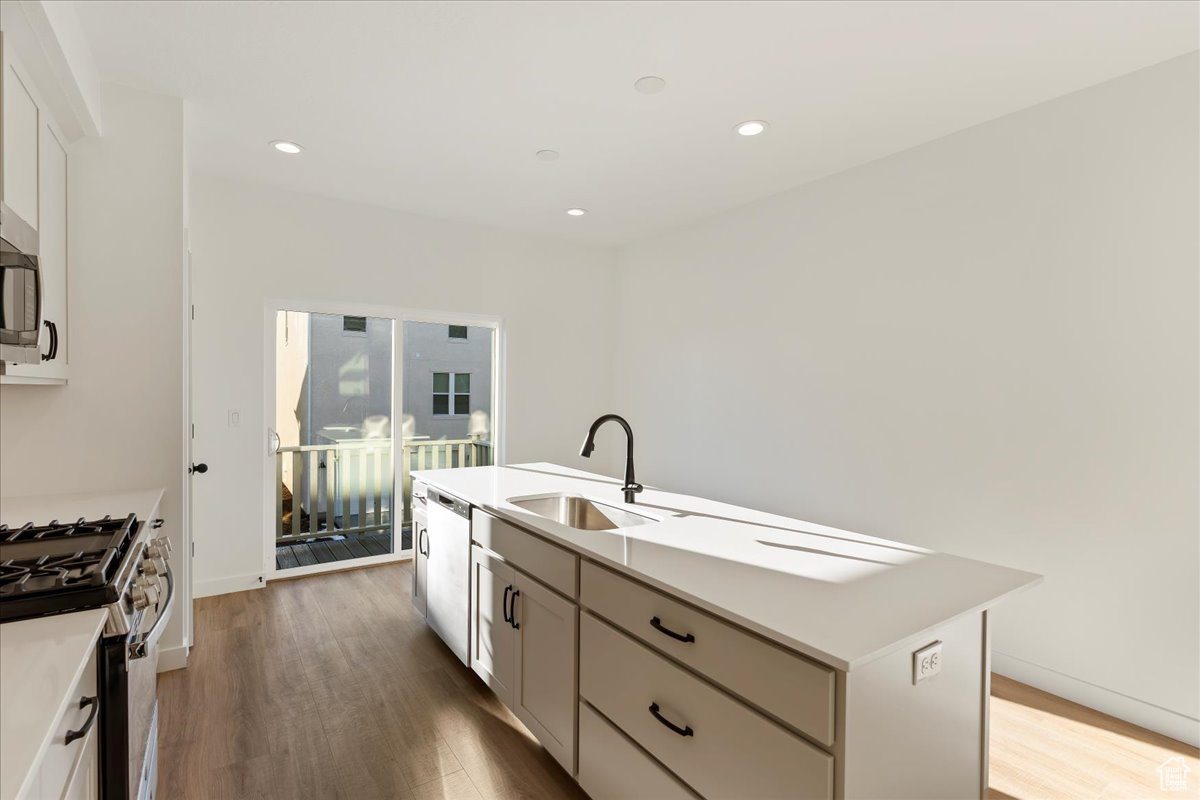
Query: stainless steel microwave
x,y
20,293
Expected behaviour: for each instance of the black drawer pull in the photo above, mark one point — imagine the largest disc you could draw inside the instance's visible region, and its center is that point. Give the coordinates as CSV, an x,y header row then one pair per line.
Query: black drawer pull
x,y
683,637
513,613
84,702
686,730
504,603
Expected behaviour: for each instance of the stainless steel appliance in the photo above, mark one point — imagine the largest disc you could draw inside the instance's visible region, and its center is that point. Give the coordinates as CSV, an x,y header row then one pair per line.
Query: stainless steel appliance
x,y
120,565
21,320
447,553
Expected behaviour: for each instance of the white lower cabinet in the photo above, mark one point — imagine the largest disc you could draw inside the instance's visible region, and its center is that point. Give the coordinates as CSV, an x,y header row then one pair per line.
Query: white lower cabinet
x,y
611,767
717,745
84,783
547,630
493,640
523,645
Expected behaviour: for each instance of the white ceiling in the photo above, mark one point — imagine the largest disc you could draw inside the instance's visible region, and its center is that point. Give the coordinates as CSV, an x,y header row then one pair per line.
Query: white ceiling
x,y
439,107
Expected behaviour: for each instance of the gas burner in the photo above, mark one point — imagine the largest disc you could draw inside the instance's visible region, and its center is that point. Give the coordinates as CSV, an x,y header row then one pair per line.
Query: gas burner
x,y
62,567
56,530
53,572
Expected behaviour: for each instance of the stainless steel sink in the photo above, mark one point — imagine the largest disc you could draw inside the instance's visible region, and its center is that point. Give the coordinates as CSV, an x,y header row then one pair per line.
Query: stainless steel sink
x,y
579,512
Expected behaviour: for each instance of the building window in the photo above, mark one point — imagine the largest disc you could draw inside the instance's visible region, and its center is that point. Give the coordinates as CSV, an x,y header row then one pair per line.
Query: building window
x,y
458,331
451,393
355,324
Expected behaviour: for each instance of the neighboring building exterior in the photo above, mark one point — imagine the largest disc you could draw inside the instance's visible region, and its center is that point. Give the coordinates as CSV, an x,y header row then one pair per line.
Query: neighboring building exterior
x,y
447,380
335,379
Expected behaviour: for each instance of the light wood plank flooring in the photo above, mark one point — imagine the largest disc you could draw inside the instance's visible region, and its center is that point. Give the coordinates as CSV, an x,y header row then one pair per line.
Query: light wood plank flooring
x,y
331,687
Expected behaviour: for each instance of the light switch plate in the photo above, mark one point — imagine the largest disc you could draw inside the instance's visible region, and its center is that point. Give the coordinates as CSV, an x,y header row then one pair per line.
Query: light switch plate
x,y
927,662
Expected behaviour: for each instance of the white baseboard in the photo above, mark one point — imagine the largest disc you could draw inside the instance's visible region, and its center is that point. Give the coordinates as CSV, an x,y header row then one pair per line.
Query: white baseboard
x,y
1139,712
233,583
173,658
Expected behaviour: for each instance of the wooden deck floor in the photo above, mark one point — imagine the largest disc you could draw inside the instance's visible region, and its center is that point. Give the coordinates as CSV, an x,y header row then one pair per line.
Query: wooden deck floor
x,y
323,551
331,686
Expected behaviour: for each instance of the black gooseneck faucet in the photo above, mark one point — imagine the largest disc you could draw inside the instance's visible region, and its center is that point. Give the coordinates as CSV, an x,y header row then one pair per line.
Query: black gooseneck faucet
x,y
631,487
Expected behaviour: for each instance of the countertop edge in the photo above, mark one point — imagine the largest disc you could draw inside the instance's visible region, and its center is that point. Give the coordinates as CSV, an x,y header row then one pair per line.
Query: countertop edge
x,y
843,663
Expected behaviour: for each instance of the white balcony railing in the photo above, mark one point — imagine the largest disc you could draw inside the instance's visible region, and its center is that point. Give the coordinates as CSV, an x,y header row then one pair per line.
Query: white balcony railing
x,y
347,488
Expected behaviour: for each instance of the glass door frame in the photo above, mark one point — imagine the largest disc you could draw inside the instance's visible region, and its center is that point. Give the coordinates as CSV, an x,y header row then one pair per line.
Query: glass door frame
x,y
398,316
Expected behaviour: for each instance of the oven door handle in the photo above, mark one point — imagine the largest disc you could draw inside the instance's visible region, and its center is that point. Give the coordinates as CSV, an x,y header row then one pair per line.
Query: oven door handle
x,y
140,647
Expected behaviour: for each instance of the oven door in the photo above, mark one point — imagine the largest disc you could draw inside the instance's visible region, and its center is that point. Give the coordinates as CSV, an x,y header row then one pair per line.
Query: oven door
x,y
129,682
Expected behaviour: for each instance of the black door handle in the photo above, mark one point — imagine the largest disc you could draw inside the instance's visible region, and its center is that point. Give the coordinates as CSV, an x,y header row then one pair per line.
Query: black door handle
x,y
512,615
198,468
656,623
422,536
504,604
53,353
84,702
686,730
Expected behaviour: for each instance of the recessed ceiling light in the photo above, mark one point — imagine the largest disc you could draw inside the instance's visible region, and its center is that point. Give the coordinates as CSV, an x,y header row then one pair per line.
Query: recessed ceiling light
x,y
651,84
752,127
283,146
576,212
547,155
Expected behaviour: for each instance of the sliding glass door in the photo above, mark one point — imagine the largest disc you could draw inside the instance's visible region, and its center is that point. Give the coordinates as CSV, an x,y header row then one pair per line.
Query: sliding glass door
x,y
333,419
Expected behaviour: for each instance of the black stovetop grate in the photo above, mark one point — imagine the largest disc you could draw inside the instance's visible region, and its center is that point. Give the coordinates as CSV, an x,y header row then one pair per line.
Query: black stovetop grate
x,y
59,567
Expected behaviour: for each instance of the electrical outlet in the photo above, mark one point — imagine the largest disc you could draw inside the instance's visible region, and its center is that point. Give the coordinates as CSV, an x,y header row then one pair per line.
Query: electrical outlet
x,y
235,418
927,662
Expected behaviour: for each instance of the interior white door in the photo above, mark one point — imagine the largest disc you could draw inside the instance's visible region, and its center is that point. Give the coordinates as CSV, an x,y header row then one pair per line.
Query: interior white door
x,y
547,628
492,635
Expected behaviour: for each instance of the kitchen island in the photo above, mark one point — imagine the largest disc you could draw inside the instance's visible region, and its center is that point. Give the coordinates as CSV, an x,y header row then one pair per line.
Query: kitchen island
x,y
714,650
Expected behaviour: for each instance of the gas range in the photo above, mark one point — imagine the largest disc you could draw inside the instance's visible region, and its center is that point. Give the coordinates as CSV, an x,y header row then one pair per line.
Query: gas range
x,y
61,567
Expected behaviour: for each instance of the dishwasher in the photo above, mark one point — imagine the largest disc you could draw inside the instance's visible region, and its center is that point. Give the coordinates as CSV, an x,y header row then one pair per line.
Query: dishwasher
x,y
446,553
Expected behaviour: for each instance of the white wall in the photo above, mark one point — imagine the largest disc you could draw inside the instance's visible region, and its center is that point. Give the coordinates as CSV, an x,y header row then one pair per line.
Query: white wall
x,y
118,423
250,243
986,345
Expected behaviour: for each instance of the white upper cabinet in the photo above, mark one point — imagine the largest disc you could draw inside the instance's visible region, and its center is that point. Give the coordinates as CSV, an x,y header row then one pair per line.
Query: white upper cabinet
x,y
52,241
35,171
20,134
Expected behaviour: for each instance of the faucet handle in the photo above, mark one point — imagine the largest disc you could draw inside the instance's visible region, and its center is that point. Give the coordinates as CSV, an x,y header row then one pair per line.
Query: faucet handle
x,y
633,487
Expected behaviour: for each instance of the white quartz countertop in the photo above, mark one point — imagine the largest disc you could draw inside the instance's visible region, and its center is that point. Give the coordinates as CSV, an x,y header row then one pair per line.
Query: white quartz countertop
x,y
41,659
840,597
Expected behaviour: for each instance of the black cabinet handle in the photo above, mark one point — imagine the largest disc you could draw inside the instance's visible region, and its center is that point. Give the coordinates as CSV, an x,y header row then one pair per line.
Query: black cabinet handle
x,y
53,352
686,730
512,614
423,536
84,702
156,524
504,604
198,468
656,623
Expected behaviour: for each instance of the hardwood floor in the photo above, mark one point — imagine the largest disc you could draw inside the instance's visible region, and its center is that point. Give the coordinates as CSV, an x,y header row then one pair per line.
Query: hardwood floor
x,y
330,686
1043,746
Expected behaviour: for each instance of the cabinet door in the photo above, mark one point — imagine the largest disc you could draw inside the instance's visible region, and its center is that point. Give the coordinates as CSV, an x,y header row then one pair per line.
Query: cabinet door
x,y
546,695
420,582
492,637
84,782
20,141
52,242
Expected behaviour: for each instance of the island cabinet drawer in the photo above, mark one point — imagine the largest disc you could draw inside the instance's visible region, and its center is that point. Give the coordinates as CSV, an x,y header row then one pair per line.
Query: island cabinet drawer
x,y
78,721
550,564
788,686
613,768
715,744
